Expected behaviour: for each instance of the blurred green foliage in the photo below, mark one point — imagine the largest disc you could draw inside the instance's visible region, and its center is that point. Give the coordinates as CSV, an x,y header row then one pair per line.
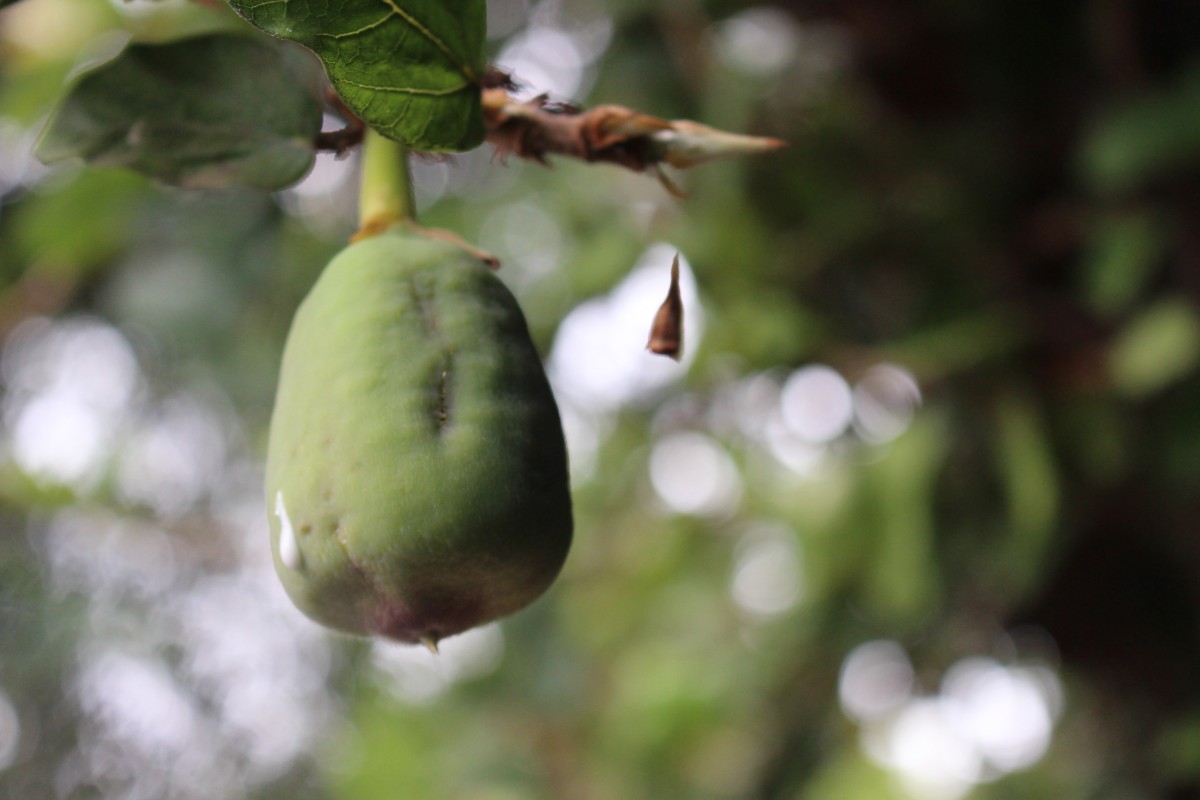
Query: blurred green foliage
x,y
985,224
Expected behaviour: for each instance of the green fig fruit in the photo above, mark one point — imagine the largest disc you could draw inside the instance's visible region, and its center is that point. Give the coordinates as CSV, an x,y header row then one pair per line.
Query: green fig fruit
x,y
416,471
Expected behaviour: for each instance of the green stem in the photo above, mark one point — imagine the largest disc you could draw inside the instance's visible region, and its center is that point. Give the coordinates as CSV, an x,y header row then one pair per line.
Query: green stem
x,y
386,195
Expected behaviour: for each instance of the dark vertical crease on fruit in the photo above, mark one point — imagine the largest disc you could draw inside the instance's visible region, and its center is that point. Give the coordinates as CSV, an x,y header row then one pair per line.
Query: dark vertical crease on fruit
x,y
443,376
445,384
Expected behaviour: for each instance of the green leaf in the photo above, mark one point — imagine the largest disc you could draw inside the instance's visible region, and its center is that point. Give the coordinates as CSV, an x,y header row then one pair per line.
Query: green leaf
x,y
1027,469
1121,257
209,112
408,68
1146,138
1157,348
77,228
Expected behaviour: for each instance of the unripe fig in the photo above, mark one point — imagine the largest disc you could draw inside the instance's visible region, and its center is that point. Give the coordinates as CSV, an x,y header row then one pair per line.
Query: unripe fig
x,y
416,471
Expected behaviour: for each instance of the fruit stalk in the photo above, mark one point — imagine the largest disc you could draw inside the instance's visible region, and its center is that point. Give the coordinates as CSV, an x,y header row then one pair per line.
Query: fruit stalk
x,y
386,193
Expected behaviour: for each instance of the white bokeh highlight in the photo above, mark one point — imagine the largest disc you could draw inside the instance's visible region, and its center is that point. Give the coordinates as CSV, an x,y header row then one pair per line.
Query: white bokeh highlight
x,y
138,702
553,55
693,474
927,753
759,41
876,679
768,578
987,719
1003,712
527,239
816,403
70,385
885,400
172,456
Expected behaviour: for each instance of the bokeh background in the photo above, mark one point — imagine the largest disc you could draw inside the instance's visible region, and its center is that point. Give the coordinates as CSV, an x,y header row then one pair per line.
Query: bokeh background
x,y
917,516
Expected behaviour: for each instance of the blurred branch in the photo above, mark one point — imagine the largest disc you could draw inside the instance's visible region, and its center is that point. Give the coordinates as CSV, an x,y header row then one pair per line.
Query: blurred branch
x,y
341,140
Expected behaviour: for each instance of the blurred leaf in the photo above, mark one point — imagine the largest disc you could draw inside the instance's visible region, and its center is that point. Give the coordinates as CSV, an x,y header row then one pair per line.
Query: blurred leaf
x,y
767,330
209,112
1157,348
1177,749
386,749
1026,467
958,344
897,504
662,694
29,92
1097,429
1120,260
410,69
1146,138
849,776
82,225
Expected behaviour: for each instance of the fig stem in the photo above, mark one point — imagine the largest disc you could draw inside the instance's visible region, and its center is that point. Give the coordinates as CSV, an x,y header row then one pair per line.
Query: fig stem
x,y
386,193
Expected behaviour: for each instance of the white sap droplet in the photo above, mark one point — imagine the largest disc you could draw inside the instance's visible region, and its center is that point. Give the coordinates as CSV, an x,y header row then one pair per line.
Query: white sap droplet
x,y
289,549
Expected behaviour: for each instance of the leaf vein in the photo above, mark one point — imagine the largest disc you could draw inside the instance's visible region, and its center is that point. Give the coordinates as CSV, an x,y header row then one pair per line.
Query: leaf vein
x,y
433,38
408,89
363,29
256,6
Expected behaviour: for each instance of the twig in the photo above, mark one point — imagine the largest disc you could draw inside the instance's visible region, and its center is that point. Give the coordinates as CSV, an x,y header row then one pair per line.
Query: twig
x,y
538,128
613,134
342,140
